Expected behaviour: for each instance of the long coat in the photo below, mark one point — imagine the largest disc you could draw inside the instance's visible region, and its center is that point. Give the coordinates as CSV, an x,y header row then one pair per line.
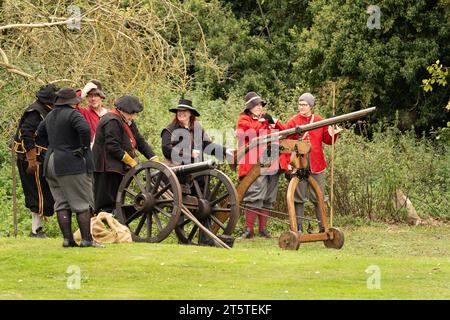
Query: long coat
x,y
111,142
69,137
25,138
38,197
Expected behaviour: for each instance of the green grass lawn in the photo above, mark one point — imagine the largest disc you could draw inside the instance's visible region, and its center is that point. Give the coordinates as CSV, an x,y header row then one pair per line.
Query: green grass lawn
x,y
414,263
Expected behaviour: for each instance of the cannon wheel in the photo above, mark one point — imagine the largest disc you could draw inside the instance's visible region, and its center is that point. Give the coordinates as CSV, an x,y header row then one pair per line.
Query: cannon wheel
x,y
143,204
216,192
338,239
289,241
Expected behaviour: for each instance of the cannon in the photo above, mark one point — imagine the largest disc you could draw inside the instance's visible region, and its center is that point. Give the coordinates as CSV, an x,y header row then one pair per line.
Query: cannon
x,y
278,143
154,199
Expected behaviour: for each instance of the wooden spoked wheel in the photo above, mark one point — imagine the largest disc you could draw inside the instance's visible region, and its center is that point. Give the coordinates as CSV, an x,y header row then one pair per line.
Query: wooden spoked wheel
x,y
338,239
289,241
148,201
217,210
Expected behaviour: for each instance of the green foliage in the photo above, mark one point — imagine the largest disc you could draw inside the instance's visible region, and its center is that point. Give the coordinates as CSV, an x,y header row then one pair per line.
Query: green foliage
x,y
367,174
379,67
438,74
280,47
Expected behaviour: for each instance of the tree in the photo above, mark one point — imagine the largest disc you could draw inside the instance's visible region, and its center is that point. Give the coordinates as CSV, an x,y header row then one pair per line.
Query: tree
x,y
381,67
438,75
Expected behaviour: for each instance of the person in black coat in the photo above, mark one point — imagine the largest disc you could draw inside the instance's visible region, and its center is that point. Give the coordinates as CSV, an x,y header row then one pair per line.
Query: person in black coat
x,y
184,141
117,139
30,153
68,165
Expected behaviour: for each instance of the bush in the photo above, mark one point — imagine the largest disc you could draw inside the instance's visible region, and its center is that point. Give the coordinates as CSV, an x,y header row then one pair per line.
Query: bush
x,y
367,173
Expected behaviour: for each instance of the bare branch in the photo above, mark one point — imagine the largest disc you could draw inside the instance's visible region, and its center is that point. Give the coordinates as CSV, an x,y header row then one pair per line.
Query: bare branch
x,y
36,25
4,57
12,69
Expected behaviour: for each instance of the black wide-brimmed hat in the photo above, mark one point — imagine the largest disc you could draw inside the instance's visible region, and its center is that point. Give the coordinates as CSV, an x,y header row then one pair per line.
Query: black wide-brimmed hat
x,y
47,94
67,96
184,104
99,90
252,99
129,104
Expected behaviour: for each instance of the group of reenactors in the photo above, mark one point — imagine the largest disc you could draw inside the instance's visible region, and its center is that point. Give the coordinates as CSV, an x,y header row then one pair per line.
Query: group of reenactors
x,y
73,158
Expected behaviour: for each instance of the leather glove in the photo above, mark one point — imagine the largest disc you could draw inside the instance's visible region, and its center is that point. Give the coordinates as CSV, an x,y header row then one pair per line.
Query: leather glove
x,y
32,161
88,87
269,118
128,160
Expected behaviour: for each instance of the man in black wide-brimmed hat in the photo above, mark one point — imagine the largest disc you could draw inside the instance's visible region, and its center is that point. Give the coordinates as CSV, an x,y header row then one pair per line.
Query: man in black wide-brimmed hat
x,y
116,141
30,153
68,166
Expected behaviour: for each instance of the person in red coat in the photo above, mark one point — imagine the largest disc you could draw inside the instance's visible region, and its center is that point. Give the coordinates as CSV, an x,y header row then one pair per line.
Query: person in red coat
x,y
254,122
317,161
93,92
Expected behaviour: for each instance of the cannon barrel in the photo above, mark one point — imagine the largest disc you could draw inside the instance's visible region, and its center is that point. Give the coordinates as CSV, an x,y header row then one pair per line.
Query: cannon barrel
x,y
315,125
320,124
300,129
194,167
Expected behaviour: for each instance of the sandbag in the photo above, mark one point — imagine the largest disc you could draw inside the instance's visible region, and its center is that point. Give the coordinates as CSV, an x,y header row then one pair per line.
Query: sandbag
x,y
106,229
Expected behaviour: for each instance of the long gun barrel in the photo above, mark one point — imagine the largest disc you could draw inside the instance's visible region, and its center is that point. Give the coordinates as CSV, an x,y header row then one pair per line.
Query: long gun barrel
x,y
300,129
315,125
194,167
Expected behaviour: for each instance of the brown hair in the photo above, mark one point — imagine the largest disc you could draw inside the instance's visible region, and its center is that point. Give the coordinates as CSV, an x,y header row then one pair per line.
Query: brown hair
x,y
192,119
247,113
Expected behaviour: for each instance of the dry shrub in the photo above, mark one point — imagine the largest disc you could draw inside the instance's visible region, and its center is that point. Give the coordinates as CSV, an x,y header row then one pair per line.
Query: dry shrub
x,y
129,45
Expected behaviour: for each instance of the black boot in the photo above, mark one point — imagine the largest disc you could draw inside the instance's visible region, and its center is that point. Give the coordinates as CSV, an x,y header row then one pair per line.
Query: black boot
x,y
92,243
69,243
39,234
84,222
248,234
265,234
65,224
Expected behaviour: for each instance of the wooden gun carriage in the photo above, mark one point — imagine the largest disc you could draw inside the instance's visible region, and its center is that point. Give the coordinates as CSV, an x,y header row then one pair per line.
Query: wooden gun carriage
x,y
152,202
332,237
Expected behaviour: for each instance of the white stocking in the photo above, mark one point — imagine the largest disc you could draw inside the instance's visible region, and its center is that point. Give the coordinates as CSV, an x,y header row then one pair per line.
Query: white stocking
x,y
36,222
